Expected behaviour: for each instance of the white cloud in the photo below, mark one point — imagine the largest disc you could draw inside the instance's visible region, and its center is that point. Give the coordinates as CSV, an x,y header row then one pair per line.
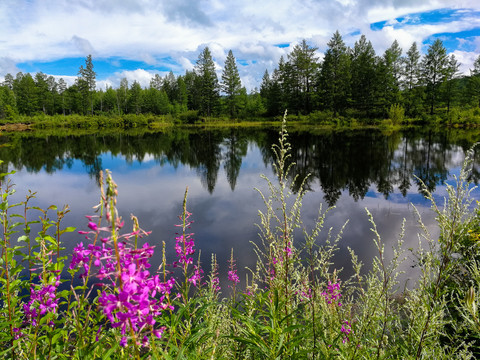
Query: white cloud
x,y
148,30
466,60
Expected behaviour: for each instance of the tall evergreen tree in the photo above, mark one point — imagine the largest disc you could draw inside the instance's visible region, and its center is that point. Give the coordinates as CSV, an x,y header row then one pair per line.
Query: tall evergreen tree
x,y
303,66
433,69
231,83
411,80
122,96
25,93
449,88
42,91
364,76
333,86
390,71
62,87
156,82
135,99
170,86
208,82
86,81
474,83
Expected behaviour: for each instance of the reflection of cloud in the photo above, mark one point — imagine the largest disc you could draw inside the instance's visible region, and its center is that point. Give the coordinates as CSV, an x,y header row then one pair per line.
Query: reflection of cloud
x,y
224,219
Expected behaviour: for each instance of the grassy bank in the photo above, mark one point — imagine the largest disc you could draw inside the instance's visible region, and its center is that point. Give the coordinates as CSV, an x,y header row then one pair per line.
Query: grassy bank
x,y
395,119
291,306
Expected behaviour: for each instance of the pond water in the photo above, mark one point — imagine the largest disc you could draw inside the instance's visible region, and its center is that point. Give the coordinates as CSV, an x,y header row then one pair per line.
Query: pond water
x,y
351,170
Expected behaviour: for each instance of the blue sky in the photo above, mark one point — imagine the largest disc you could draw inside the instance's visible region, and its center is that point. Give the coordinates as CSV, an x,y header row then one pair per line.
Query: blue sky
x,y
137,39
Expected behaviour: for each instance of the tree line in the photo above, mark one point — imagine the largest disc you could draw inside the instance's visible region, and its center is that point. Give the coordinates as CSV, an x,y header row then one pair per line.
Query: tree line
x,y
351,82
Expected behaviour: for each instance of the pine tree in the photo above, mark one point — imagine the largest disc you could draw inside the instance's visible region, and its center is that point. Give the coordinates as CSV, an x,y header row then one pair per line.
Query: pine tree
x,y
410,80
86,81
333,86
303,65
449,88
364,76
231,83
62,87
433,69
474,83
390,71
208,82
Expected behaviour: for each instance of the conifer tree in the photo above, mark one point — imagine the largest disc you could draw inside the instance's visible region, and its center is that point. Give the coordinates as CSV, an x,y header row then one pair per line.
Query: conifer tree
x,y
333,85
208,82
474,83
231,83
449,89
410,80
433,69
390,71
86,81
364,76
302,63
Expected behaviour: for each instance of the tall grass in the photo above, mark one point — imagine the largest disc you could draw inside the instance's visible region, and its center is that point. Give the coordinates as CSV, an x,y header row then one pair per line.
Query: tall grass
x,y
292,305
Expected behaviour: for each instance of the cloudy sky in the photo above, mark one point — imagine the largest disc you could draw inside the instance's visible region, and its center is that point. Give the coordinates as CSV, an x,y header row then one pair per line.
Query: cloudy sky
x,y
138,38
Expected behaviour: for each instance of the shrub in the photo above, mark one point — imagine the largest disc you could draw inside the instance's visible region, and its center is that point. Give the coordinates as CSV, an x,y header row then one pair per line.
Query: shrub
x,y
189,117
396,113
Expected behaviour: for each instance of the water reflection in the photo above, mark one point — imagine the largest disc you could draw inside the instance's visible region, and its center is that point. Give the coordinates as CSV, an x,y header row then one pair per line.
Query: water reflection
x,y
349,169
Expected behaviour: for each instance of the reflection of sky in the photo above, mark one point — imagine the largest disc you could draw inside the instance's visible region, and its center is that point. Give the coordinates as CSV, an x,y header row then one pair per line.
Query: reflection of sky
x,y
223,219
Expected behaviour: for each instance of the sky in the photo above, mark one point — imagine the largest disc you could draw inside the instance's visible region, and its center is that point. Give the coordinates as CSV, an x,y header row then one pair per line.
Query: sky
x,y
136,39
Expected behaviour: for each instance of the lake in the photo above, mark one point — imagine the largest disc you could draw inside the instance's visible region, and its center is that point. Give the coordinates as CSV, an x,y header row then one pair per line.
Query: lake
x,y
351,170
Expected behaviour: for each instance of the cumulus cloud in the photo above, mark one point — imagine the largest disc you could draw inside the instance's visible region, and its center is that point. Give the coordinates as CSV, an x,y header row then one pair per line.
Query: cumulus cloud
x,y
151,30
83,45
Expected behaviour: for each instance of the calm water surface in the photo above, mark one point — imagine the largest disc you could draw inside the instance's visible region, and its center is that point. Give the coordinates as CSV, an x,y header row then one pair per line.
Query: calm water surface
x,y
350,170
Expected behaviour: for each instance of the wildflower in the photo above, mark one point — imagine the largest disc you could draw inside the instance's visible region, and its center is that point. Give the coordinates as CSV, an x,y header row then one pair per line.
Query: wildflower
x,y
232,273
332,295
346,329
43,300
196,277
131,298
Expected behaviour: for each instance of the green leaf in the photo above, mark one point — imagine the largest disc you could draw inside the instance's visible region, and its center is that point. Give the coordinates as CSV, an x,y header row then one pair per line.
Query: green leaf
x,y
23,238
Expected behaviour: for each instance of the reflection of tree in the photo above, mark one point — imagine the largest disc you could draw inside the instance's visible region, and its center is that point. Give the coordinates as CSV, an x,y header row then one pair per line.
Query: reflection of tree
x,y
430,170
339,161
236,148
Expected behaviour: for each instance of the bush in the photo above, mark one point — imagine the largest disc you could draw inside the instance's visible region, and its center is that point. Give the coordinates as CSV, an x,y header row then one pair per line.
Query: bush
x,y
396,113
189,117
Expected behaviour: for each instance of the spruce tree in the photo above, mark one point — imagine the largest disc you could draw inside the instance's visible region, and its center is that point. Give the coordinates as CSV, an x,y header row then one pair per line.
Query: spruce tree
x,y
390,71
474,83
303,65
364,76
410,80
231,83
208,82
86,81
433,69
333,86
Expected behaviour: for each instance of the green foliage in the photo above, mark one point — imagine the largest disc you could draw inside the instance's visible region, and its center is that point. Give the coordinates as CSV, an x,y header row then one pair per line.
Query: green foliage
x,y
396,113
189,117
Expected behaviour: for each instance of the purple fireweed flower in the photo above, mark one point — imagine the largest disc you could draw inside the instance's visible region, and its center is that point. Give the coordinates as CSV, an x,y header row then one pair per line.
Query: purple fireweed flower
x,y
232,273
196,277
332,295
233,277
131,298
93,226
184,247
42,300
346,329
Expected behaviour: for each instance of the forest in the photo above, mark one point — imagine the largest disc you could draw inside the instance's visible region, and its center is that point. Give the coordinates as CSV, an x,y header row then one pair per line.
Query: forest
x,y
350,83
